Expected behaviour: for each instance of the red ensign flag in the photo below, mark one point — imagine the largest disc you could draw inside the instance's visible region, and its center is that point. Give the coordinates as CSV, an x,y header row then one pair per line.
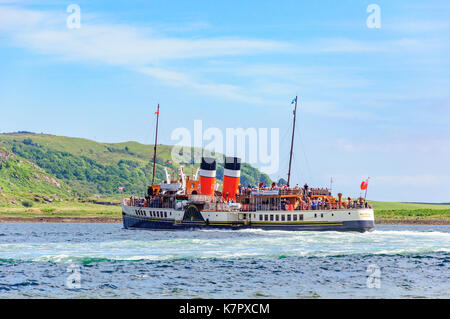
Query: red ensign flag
x,y
364,184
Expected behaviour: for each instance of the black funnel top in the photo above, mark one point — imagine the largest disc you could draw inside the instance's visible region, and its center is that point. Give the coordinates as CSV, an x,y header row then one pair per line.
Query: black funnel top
x,y
208,163
233,163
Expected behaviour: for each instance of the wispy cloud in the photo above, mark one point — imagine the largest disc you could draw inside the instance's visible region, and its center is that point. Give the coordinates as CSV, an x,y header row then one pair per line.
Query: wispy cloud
x,y
183,80
418,26
140,49
400,145
424,180
150,52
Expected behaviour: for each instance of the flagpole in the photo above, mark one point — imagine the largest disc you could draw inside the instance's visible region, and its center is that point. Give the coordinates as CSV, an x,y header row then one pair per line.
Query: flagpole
x,y
365,194
156,142
292,143
331,184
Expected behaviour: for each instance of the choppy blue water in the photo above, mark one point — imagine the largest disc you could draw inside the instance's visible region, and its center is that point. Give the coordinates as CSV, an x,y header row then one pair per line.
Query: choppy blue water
x,y
65,260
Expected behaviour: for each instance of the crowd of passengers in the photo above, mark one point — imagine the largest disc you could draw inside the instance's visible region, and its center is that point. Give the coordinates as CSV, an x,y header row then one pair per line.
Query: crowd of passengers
x,y
310,204
305,190
150,202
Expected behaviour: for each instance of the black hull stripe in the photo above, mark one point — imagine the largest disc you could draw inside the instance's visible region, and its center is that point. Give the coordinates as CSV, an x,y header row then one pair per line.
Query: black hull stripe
x,y
141,223
309,223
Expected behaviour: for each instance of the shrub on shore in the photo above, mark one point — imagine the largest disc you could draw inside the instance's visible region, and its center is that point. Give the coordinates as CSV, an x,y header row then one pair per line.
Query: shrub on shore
x,y
27,203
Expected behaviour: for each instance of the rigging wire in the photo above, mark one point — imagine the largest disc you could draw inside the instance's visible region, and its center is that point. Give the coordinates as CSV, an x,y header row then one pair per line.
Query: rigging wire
x,y
308,168
284,161
300,176
151,130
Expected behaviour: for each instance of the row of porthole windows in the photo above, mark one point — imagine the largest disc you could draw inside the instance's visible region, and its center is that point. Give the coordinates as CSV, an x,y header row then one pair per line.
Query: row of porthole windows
x,y
283,217
153,213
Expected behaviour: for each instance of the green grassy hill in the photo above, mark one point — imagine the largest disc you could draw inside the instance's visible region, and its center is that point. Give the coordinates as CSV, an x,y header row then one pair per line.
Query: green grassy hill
x,y
392,210
23,181
99,168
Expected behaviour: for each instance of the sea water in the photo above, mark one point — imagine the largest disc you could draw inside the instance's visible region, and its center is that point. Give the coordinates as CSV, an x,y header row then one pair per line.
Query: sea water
x,y
93,260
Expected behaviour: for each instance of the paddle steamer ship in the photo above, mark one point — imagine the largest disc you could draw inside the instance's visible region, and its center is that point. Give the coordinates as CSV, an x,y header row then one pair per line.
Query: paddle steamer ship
x,y
187,202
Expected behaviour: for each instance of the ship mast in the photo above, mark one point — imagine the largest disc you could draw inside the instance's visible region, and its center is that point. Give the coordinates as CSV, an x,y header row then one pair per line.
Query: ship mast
x,y
292,143
156,143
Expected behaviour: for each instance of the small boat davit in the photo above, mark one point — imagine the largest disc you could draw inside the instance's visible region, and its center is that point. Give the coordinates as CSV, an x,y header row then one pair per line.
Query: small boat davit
x,y
189,202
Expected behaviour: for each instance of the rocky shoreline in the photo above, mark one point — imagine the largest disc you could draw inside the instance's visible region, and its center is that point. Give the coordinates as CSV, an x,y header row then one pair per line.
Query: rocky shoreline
x,y
60,220
413,222
119,220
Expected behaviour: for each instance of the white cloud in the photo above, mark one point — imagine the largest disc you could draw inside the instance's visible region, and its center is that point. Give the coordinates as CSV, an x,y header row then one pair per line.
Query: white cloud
x,y
425,180
46,32
183,80
151,53
138,49
393,144
417,26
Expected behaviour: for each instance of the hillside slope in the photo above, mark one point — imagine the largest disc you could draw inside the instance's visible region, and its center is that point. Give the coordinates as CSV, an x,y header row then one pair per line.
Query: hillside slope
x,y
99,168
21,179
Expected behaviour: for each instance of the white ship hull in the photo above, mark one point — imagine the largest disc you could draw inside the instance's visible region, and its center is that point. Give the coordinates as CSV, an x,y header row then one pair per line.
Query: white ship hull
x,y
354,219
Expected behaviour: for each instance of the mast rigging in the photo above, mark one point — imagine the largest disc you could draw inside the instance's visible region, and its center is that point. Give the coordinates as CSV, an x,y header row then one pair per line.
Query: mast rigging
x,y
292,143
156,143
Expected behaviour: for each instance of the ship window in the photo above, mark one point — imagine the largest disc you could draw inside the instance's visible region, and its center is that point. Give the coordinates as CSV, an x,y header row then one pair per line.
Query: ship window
x,y
283,218
289,218
301,216
277,217
260,217
271,217
266,217
165,214
315,215
321,215
294,217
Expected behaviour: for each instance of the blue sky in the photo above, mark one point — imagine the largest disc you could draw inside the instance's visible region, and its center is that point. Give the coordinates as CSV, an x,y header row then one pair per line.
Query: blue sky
x,y
374,102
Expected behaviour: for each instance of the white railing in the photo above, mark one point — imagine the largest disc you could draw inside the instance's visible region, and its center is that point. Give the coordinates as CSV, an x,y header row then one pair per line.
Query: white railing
x,y
200,198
